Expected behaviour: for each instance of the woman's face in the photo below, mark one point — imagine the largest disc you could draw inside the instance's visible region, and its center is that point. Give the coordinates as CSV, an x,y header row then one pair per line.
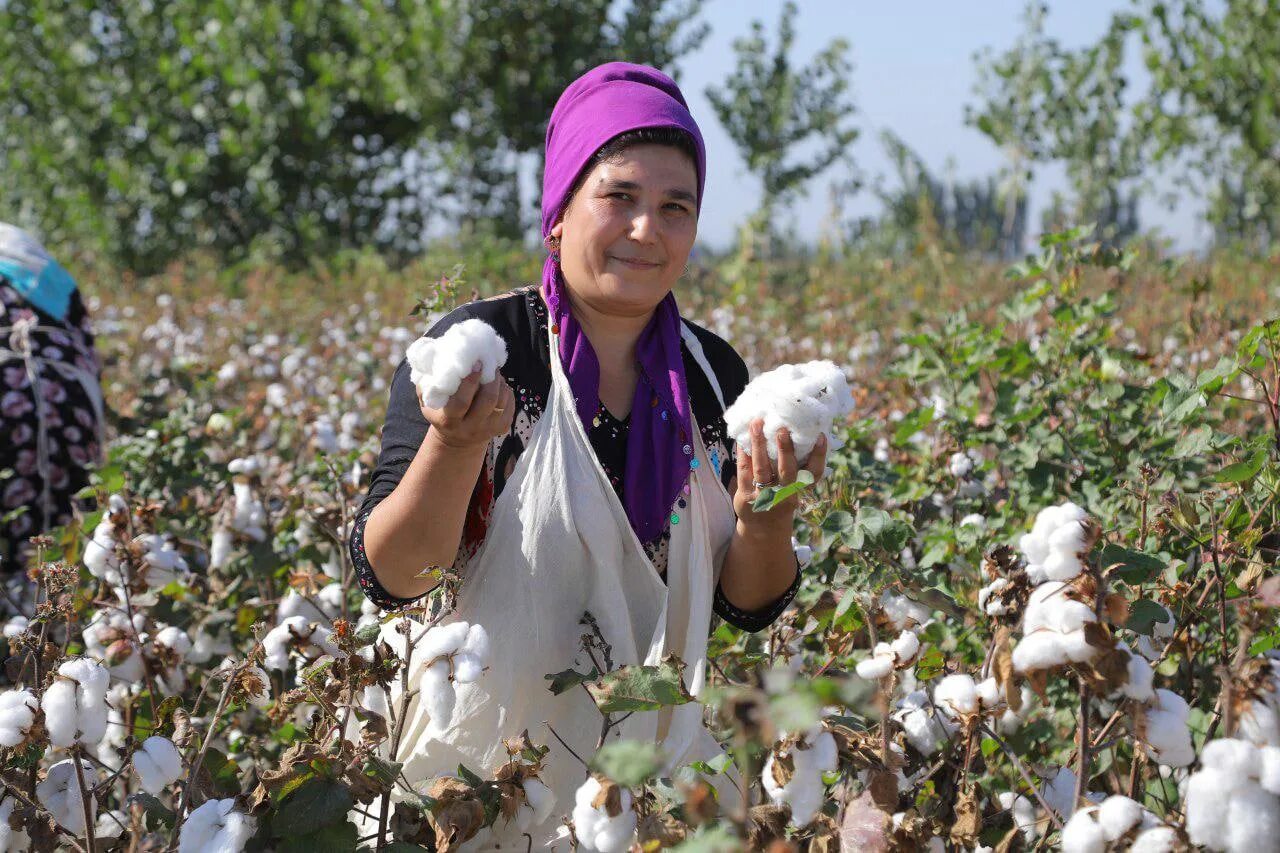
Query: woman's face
x,y
626,235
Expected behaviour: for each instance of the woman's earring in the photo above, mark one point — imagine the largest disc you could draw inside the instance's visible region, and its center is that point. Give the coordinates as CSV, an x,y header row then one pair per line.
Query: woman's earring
x,y
553,246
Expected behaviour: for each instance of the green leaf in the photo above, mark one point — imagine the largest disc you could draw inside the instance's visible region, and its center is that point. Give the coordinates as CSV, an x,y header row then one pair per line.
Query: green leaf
x,y
771,496
466,774
641,688
155,810
628,762
1143,616
334,838
1132,567
367,635
915,421
224,774
569,679
316,804
931,664
1240,471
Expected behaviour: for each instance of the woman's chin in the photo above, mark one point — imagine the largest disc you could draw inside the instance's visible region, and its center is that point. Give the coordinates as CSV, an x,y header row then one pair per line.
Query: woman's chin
x,y
635,292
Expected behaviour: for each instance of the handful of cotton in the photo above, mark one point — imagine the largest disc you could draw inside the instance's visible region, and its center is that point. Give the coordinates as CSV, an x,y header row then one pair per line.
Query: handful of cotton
x,y
437,366
804,398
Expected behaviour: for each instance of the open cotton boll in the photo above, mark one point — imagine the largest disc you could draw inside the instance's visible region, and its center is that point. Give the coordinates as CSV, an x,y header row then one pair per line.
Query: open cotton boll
x,y
1230,755
248,517
1082,834
310,638
1168,739
924,728
1117,815
902,612
439,696
175,639
75,706
17,713
437,366
597,830
1253,820
957,696
539,803
1207,798
803,791
443,640
959,465
110,824
879,665
1141,677
804,398
476,643
1269,769
158,764
59,792
100,553
906,647
216,826
1059,791
1157,839
1022,811
1058,533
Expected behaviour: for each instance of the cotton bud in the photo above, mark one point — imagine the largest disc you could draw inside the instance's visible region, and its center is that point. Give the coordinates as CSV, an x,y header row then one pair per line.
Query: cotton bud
x,y
59,792
437,366
17,713
75,706
603,818
158,764
1056,541
804,398
310,639
539,803
801,788
216,825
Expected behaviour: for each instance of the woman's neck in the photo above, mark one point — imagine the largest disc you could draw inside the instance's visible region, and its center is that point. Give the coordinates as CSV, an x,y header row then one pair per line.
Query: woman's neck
x,y
613,336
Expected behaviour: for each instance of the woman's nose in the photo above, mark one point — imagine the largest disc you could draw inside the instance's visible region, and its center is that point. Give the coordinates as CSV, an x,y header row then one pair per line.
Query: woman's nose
x,y
644,226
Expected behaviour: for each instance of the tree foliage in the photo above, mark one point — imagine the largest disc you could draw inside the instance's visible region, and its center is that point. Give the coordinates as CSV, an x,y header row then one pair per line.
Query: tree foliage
x,y
291,128
770,107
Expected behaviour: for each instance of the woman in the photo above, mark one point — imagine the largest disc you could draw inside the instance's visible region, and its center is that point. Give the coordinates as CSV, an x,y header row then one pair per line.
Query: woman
x,y
50,397
596,462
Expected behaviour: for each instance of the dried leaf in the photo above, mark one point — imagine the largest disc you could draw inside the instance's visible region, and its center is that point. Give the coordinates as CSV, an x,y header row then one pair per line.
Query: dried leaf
x,y
768,824
609,796
967,823
1116,606
883,787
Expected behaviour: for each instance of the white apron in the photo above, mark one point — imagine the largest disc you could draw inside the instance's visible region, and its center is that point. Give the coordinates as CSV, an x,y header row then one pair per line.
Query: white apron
x,y
560,544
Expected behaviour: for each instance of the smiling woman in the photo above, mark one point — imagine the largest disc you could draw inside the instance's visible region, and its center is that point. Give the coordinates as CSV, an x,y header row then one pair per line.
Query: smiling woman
x,y
596,464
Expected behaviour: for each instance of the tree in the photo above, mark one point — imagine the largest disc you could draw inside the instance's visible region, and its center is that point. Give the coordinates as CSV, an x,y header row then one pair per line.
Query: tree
x,y
291,128
770,108
1213,103
1044,103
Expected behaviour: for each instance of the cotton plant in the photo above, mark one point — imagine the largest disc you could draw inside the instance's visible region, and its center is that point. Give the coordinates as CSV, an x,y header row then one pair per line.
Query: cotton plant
x,y
1058,538
805,398
603,817
158,764
437,366
800,785
1117,823
886,657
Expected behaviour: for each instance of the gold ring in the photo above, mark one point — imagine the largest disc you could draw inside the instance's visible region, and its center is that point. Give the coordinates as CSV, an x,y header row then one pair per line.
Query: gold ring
x,y
499,409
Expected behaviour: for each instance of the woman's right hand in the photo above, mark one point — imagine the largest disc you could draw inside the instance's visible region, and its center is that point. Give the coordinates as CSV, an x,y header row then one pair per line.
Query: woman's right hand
x,y
474,414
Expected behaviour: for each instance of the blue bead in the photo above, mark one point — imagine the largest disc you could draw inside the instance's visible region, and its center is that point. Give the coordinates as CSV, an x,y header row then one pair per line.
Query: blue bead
x,y
693,463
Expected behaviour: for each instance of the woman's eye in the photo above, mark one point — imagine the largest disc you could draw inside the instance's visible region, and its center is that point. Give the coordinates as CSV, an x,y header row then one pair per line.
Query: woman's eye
x,y
621,195
677,208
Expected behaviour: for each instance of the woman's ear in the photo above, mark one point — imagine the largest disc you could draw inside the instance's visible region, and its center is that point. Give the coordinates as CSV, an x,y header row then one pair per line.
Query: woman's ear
x,y
557,230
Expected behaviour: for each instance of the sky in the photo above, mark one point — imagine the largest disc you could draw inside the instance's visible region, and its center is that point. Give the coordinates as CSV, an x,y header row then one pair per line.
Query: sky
x,y
914,73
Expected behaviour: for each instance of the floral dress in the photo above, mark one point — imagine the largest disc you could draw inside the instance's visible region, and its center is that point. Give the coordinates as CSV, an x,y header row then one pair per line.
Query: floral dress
x,y
50,418
520,317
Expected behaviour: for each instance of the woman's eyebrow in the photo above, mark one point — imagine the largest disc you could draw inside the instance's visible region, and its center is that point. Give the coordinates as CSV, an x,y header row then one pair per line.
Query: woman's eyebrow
x,y
632,186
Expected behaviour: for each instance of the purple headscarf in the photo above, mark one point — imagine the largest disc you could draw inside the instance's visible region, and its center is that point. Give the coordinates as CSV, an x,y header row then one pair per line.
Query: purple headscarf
x,y
606,101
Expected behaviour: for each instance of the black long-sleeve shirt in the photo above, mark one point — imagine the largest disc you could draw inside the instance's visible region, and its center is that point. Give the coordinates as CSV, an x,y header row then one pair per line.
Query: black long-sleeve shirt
x,y
520,318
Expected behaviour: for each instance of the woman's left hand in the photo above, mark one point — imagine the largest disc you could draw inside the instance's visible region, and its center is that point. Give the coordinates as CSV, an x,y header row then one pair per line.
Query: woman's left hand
x,y
759,468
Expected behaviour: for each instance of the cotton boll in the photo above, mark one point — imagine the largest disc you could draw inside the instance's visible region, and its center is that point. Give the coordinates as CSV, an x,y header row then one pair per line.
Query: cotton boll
x,y
596,829
1082,834
539,803
1076,646
906,647
803,792
1117,815
990,696
331,598
959,465
1236,757
1207,798
879,665
1260,722
158,764
437,366
75,705
805,398
1141,678
438,694
1168,739
1158,839
216,826
993,606
110,824
466,668
59,792
924,729
1059,791
220,547
477,643
17,713
443,640
1253,820
902,612
175,639
16,626
311,639
956,696
1023,812
1269,769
